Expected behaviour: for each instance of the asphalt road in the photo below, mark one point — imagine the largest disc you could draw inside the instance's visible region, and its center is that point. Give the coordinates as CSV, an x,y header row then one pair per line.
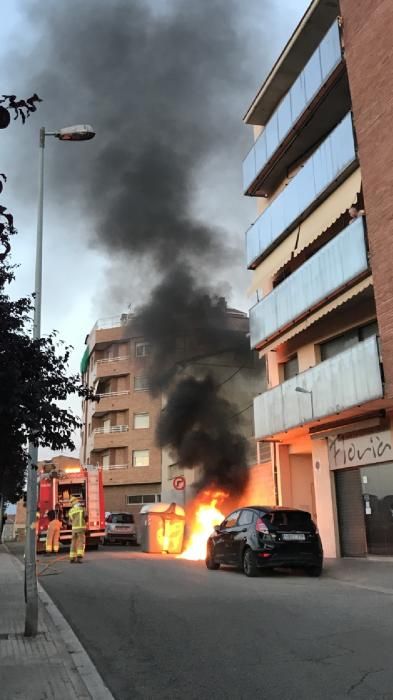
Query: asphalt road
x,y
158,627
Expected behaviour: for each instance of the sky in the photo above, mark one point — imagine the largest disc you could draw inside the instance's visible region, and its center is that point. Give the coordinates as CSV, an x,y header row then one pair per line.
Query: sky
x,y
112,65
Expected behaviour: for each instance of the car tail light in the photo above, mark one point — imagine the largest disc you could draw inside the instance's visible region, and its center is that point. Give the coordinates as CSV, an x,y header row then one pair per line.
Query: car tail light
x,y
264,555
260,526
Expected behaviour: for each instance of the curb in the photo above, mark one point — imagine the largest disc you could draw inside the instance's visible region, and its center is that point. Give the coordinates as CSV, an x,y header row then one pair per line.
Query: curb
x,y
81,660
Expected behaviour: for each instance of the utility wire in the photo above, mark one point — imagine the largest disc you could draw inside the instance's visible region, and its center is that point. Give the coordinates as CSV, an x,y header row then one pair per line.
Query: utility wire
x,y
243,410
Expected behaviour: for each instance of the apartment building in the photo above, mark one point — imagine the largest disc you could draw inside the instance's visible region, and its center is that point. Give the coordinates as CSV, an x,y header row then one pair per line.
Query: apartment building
x,y
320,252
118,430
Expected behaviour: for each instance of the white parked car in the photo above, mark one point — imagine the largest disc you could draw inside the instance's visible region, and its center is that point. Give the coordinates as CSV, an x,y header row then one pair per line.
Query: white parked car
x,y
119,527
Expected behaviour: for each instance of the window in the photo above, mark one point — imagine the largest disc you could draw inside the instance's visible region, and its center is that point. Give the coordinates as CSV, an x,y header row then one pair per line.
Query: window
x,y
291,368
141,383
120,518
231,519
290,519
246,517
140,458
263,452
142,349
141,420
142,499
336,345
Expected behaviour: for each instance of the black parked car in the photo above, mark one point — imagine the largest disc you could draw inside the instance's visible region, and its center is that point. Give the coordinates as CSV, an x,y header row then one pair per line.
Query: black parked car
x,y
260,537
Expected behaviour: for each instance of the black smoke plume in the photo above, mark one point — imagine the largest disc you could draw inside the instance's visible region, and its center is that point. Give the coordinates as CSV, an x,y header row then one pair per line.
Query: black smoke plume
x,y
185,322
199,425
164,83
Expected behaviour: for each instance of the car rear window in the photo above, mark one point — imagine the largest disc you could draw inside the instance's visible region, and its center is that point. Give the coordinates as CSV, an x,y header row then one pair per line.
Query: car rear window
x,y
122,518
289,520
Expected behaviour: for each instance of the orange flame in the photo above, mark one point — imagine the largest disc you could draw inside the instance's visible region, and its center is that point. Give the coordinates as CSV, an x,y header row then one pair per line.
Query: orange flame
x,y
206,516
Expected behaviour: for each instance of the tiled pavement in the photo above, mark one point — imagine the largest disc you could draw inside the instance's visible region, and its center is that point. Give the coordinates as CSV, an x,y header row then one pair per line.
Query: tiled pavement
x,y
51,666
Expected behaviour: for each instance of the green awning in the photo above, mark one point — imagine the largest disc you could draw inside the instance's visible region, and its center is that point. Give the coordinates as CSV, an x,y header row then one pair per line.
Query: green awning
x,y
85,360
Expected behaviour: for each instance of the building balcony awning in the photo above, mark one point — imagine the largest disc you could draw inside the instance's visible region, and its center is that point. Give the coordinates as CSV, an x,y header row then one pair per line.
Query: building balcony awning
x,y
85,360
309,230
303,42
323,311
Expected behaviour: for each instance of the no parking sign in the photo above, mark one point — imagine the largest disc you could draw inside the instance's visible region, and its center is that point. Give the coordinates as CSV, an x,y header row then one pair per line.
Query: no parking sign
x,y
179,483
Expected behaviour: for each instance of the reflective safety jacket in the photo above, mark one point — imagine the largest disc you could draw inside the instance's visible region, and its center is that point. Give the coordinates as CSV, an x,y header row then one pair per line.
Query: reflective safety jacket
x,y
77,516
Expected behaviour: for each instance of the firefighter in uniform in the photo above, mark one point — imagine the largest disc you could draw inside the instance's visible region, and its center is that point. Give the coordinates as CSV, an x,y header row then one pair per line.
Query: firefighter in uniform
x,y
53,533
77,517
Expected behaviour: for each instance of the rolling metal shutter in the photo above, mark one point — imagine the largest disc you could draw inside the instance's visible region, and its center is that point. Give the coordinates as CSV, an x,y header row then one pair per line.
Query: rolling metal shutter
x,y
350,511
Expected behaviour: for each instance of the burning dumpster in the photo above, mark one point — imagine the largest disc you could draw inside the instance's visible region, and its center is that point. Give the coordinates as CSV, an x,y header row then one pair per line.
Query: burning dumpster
x,y
162,528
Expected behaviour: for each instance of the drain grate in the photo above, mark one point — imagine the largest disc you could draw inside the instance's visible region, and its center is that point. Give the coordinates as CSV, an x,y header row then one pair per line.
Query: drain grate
x,y
4,635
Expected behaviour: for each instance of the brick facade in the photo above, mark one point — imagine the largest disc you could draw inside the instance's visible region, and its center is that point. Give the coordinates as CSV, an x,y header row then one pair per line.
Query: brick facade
x,y
368,31
109,424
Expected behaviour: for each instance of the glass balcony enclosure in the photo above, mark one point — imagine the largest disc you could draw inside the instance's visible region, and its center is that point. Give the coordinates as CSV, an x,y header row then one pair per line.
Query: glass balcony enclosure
x,y
341,260
321,171
349,379
309,82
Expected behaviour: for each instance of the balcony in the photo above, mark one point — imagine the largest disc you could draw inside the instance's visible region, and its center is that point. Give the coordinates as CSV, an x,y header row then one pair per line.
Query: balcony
x,y
110,467
333,267
114,437
112,429
322,78
109,330
112,401
111,367
327,167
349,379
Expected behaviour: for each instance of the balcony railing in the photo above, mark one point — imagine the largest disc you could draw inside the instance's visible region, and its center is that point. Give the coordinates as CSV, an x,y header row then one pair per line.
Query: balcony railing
x,y
349,379
113,322
327,165
109,467
309,82
341,260
112,429
104,360
113,393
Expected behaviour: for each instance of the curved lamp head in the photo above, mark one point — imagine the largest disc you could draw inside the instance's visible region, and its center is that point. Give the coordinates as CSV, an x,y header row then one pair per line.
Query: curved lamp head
x,y
78,132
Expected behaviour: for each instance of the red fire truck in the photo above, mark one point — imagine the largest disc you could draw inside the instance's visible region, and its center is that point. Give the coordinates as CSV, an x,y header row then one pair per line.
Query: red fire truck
x,y
57,486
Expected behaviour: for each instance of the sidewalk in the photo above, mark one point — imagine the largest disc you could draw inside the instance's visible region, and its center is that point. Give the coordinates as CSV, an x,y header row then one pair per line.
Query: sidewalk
x,y
53,665
371,573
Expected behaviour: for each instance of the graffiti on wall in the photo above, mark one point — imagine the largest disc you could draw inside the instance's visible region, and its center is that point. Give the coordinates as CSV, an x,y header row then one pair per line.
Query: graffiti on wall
x,y
359,451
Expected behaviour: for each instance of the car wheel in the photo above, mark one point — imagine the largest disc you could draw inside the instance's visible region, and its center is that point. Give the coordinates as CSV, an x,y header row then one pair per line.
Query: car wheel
x,y
211,563
314,571
249,564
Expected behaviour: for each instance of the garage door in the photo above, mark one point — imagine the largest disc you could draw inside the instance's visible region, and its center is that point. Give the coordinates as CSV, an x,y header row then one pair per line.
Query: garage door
x,y
350,511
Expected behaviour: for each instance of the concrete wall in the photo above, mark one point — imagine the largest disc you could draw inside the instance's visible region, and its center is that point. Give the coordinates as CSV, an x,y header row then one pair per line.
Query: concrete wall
x,y
115,497
303,496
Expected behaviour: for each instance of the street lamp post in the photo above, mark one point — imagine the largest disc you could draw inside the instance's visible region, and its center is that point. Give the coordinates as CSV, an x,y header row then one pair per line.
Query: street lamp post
x,y
80,132
309,392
